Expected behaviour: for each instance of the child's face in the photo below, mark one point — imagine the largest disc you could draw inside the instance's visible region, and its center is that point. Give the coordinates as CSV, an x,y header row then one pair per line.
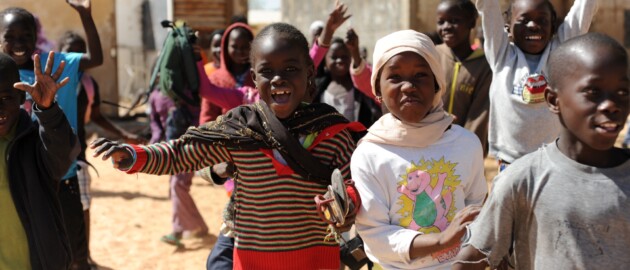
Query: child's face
x,y
531,26
593,99
77,46
281,74
10,101
215,47
407,85
17,38
239,46
338,59
453,25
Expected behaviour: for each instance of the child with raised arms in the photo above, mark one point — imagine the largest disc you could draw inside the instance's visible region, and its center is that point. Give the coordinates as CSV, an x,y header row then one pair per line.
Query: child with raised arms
x,y
18,37
419,177
36,155
565,206
283,150
519,120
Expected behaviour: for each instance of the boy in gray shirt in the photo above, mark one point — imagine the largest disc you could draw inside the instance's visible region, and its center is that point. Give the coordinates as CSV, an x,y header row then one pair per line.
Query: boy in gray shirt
x,y
565,206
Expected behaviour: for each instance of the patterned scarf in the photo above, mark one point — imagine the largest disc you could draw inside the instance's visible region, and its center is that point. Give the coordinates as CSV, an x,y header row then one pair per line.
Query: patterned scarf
x,y
251,127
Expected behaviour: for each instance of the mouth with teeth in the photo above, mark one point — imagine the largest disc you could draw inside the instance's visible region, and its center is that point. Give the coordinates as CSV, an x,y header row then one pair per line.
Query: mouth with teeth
x,y
533,37
19,53
281,96
608,128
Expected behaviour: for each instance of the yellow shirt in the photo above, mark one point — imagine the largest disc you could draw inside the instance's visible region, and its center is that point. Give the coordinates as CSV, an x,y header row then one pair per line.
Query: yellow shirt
x,y
14,245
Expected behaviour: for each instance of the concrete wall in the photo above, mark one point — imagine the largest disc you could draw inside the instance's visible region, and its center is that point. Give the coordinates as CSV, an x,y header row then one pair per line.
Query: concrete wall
x,y
374,18
59,17
371,19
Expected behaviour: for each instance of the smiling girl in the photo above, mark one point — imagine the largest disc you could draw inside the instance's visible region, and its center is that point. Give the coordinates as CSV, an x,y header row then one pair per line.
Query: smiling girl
x,y
283,150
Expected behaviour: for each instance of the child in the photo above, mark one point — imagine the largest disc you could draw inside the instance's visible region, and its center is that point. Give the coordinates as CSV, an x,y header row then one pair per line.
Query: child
x,y
418,176
18,38
335,87
467,72
519,120
215,52
36,155
235,67
565,206
89,109
282,149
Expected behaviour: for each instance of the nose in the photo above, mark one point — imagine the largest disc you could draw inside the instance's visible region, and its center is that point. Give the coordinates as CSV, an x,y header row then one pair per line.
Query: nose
x,y
277,80
408,87
608,105
532,24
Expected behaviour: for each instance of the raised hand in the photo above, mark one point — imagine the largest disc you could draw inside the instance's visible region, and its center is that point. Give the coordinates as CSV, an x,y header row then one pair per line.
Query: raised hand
x,y
335,19
121,156
352,43
45,88
81,5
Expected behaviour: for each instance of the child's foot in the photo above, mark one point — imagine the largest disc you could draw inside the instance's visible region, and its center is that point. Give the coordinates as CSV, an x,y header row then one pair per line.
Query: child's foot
x,y
172,239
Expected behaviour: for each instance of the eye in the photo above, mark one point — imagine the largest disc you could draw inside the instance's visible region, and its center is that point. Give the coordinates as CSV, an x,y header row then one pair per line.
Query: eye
x,y
622,92
291,69
264,71
394,78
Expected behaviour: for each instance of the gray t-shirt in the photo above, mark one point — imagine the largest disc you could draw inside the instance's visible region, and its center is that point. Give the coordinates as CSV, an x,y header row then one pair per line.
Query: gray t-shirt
x,y
562,214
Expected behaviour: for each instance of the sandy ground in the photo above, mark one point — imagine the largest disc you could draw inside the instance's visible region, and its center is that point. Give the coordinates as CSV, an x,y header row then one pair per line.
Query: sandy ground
x,y
131,212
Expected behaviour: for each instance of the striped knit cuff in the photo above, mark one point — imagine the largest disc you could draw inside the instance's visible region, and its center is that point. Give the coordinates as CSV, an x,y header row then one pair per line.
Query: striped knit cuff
x,y
140,158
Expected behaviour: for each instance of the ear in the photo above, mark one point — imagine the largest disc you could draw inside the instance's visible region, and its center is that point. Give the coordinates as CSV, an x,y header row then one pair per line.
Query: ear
x,y
253,74
553,102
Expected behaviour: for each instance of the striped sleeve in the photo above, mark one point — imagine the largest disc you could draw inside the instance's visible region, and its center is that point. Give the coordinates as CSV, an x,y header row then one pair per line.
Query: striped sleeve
x,y
177,156
338,149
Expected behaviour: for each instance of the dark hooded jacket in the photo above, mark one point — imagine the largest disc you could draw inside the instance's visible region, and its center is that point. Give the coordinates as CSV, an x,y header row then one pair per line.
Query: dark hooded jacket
x,y
37,157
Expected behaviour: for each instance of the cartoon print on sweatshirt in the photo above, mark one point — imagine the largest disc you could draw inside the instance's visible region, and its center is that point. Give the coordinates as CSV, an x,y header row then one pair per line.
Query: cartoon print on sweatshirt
x,y
531,88
427,195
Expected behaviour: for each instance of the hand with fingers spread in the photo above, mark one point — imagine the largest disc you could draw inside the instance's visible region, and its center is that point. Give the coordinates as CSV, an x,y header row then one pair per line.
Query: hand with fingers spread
x,y
335,19
45,88
122,158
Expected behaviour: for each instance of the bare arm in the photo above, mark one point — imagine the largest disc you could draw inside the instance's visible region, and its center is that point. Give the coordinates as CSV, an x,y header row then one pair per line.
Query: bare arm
x,y
94,55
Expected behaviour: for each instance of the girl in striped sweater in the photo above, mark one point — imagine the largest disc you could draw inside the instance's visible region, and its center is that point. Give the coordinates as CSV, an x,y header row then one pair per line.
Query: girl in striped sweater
x,y
284,151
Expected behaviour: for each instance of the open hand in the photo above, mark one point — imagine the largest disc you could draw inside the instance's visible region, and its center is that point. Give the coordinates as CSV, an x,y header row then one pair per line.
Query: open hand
x,y
81,5
337,17
45,88
121,156
456,230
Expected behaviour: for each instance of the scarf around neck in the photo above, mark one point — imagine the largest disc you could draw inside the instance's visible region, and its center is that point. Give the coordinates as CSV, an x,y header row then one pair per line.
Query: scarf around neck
x,y
252,127
390,130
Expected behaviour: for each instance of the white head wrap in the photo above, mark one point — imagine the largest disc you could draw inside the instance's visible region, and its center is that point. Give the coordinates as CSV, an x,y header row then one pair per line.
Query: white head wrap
x,y
408,41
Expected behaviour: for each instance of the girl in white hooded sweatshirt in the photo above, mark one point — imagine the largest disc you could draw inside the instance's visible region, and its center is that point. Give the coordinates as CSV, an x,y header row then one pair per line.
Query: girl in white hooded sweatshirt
x,y
420,176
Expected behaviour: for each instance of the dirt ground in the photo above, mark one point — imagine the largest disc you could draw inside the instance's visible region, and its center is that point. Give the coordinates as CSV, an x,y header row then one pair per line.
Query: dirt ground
x,y
131,212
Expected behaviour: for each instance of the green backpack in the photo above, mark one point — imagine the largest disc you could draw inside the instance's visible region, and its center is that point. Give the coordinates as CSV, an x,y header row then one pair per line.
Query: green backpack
x,y
176,65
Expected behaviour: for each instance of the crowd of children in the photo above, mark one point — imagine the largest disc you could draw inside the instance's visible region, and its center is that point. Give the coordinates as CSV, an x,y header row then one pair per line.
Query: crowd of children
x,y
278,114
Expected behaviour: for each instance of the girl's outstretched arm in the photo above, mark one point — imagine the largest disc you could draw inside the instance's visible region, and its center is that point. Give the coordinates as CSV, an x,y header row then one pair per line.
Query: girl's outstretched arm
x,y
360,71
170,157
94,55
335,19
226,98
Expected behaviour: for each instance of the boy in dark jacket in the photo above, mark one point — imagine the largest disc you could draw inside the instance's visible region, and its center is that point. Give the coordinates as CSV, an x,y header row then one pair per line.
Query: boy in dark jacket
x,y
36,155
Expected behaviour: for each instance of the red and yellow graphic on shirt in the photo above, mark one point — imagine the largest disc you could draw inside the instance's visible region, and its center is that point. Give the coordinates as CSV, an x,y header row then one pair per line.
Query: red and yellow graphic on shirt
x,y
534,88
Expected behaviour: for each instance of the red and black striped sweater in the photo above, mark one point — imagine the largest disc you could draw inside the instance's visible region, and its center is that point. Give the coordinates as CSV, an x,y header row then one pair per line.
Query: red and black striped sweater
x,y
276,224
